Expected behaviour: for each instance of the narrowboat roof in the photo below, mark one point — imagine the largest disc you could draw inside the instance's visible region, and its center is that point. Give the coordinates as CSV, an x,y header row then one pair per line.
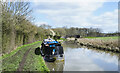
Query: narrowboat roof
x,y
49,41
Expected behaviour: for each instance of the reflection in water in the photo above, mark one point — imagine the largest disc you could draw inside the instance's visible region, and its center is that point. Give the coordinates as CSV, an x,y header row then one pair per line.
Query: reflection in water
x,y
84,59
56,66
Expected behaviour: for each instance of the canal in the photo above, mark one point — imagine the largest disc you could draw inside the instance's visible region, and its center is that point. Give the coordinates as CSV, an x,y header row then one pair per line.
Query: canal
x,y
77,58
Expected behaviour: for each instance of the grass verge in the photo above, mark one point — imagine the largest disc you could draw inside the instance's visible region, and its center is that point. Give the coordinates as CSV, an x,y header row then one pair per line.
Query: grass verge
x,y
32,63
35,63
103,38
16,50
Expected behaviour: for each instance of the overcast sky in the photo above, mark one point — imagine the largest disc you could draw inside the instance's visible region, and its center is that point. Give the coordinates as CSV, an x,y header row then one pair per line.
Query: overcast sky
x,y
77,13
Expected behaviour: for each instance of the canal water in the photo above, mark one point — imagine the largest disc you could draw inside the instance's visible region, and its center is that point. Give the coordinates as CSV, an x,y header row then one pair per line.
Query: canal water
x,y
77,58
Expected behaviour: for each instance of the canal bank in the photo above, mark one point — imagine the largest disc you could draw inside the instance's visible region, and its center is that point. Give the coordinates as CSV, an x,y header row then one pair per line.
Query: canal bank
x,y
106,45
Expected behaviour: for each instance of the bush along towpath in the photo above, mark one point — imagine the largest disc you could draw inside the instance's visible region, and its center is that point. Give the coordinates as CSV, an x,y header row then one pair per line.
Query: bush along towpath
x,y
24,59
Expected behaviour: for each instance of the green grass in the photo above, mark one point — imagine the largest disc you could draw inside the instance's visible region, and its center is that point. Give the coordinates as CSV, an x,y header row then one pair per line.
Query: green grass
x,y
33,62
11,63
15,51
103,38
62,39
